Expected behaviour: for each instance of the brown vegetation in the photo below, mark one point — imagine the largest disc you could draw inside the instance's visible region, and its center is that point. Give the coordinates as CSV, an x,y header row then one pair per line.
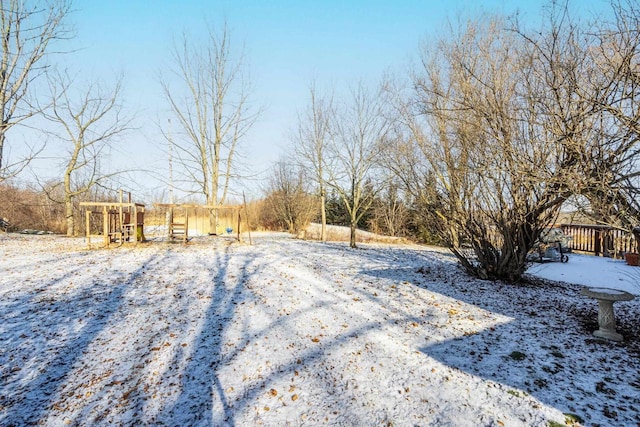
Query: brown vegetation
x,y
29,209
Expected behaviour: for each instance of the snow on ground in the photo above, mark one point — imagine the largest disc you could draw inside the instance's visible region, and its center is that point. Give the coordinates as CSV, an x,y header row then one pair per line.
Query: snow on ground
x,y
592,271
291,332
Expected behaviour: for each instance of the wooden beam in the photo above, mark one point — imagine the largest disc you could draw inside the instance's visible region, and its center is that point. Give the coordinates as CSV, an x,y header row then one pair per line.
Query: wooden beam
x,y
100,204
191,206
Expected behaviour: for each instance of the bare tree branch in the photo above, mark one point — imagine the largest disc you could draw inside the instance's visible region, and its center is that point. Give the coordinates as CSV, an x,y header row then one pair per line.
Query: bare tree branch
x,y
27,28
358,135
87,122
311,144
213,113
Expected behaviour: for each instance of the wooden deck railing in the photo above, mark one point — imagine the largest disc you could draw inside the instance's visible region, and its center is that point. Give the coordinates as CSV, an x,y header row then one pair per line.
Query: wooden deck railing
x,y
601,240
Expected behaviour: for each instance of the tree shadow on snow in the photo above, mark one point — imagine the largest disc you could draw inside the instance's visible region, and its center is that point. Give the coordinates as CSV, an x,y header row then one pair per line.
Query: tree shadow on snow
x,y
201,391
544,348
204,399
44,329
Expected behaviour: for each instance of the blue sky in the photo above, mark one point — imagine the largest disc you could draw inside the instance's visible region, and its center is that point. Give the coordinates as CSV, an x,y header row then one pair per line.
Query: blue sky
x,y
287,44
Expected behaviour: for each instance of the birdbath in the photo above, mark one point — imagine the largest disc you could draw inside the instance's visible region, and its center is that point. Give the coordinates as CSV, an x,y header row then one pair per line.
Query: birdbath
x,y
606,319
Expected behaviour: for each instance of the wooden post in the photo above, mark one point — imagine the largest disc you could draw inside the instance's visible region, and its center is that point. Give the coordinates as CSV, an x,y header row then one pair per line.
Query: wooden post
x,y
133,222
186,224
87,217
120,212
244,199
140,223
105,225
239,221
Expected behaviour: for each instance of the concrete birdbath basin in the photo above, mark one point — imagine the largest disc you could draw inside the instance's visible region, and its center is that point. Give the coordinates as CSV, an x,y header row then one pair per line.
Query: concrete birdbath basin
x,y
606,317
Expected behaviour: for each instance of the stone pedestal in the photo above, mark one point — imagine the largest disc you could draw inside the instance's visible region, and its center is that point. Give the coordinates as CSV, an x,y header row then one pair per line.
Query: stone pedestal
x,y
606,317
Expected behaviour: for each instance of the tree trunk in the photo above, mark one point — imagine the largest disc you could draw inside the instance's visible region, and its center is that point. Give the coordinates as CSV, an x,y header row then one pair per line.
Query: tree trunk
x,y
68,194
213,222
2,139
323,213
352,236
68,214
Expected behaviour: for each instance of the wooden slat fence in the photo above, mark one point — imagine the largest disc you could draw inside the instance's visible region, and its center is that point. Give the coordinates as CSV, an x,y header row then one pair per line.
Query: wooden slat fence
x,y
601,240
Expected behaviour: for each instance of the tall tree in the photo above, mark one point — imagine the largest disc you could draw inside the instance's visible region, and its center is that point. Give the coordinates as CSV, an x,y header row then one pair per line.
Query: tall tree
x,y
311,141
28,28
359,133
210,100
611,172
407,163
494,121
87,120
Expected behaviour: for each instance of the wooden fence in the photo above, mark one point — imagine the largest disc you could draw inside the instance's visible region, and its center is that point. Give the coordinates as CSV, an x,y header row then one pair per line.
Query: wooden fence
x,y
601,240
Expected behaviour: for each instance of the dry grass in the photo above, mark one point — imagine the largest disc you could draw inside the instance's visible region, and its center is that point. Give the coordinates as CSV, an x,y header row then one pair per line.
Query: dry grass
x,y
337,233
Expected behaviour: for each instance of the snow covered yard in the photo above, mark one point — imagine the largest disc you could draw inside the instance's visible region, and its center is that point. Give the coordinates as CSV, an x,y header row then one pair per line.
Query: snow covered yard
x,y
290,332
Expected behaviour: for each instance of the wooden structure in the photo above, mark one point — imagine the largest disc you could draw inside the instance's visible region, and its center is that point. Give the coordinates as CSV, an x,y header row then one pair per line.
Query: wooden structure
x,y
181,216
177,224
601,240
121,222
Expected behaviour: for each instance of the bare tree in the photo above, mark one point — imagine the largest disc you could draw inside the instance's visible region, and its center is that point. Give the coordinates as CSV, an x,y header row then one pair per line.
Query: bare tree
x,y
358,136
588,98
28,27
406,162
213,114
492,123
87,122
390,213
288,198
611,171
311,142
